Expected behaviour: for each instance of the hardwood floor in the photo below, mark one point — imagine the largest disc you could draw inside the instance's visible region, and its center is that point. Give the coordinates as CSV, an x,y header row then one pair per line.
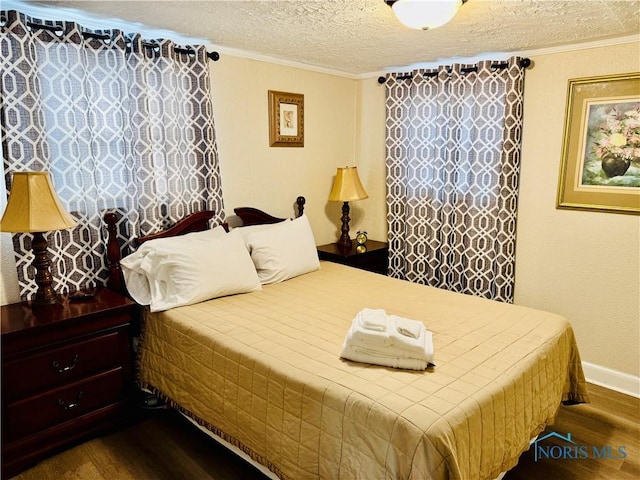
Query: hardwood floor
x,y
611,419
166,446
163,446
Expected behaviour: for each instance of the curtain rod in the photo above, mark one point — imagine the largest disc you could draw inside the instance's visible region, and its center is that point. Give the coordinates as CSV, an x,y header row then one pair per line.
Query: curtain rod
x,y
523,62
214,56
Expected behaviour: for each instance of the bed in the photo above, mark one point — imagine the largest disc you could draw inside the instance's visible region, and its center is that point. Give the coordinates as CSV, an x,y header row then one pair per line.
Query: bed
x,y
262,370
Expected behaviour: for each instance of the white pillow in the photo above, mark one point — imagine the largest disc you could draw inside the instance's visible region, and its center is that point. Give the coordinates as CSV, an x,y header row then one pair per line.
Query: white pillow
x,y
214,232
284,251
136,278
167,273
248,230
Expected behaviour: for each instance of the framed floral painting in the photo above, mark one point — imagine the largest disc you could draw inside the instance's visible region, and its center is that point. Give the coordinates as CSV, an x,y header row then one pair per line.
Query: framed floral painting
x,y
600,168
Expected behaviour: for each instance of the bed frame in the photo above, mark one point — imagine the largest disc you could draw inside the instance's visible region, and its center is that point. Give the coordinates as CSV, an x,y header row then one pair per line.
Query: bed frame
x,y
196,222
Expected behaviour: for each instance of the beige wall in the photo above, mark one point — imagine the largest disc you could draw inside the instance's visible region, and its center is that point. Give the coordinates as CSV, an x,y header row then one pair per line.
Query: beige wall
x,y
370,153
271,178
582,265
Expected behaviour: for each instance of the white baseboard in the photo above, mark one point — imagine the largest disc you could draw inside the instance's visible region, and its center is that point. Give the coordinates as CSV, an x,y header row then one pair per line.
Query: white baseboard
x,y
612,379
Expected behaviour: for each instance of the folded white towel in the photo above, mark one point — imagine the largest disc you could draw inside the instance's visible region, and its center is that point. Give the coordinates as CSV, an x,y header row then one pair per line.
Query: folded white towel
x,y
407,335
373,319
406,327
403,343
370,327
360,354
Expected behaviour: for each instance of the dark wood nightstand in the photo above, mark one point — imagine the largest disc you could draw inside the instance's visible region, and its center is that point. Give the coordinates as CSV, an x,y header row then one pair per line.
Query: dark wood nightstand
x,y
374,259
66,374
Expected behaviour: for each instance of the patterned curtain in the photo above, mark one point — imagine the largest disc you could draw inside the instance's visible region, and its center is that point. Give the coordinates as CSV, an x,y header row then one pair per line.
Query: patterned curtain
x,y
453,158
119,122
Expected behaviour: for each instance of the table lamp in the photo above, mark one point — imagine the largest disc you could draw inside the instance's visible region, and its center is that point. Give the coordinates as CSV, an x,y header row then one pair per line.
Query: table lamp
x,y
34,207
346,188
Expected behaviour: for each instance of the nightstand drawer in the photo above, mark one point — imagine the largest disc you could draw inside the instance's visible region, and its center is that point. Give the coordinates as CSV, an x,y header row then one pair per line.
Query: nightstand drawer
x,y
68,363
57,406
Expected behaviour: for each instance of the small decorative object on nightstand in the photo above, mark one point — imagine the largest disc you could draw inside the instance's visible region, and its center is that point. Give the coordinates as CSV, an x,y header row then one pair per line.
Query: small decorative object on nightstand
x,y
361,240
373,256
66,373
361,237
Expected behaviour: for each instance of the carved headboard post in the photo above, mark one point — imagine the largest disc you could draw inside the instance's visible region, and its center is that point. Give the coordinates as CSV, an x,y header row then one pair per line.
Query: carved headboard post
x,y
116,280
300,201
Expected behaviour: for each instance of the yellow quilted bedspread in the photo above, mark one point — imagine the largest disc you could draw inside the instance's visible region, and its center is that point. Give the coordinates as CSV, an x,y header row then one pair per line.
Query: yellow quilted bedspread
x,y
263,371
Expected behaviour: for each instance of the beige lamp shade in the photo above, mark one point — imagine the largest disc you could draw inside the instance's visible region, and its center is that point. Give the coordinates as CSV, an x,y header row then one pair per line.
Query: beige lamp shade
x,y
33,205
347,186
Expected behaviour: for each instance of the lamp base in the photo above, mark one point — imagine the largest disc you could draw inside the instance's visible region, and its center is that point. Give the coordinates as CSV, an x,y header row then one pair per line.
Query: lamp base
x,y
45,295
46,302
345,242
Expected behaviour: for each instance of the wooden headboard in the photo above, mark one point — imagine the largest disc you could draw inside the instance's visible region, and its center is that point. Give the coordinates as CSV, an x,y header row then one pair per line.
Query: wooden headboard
x,y
196,222
253,216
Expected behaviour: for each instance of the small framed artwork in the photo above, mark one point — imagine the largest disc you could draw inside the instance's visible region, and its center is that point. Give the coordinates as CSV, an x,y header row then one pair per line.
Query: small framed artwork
x,y
600,169
286,119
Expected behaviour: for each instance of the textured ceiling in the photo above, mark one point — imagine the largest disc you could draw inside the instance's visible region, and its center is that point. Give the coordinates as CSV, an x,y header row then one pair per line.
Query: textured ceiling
x,y
363,36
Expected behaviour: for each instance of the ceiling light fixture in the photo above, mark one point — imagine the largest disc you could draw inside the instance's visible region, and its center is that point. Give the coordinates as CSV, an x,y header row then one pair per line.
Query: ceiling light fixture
x,y
424,14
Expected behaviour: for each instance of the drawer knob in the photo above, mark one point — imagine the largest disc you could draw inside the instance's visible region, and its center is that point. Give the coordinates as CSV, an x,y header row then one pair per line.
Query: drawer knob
x,y
60,369
70,406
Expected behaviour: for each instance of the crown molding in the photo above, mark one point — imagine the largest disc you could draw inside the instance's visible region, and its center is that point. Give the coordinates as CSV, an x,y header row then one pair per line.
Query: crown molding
x,y
234,52
443,61
609,42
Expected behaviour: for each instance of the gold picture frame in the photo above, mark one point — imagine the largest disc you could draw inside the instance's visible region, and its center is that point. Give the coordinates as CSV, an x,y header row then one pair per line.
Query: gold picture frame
x,y
600,168
286,119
